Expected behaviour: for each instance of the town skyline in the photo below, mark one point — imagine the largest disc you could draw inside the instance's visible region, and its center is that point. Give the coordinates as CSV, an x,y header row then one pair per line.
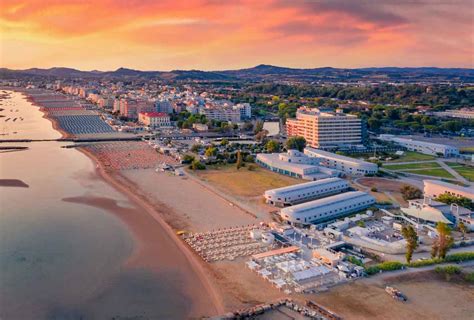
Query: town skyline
x,y
210,35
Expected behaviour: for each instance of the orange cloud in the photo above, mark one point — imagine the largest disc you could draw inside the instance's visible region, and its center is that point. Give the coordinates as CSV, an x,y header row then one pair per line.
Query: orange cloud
x,y
212,34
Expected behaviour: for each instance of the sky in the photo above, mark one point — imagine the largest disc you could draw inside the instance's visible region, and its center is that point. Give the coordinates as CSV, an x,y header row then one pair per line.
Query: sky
x,y
233,34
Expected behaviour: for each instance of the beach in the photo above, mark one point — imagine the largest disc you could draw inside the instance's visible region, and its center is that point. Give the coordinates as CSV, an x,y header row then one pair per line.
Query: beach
x,y
154,275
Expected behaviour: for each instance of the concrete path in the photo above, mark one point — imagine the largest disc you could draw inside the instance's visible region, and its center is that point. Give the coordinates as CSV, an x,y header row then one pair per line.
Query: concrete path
x,y
453,172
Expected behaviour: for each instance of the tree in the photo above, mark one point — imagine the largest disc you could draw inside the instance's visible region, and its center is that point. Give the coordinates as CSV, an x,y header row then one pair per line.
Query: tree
x,y
374,123
187,158
258,126
296,143
197,165
272,146
410,192
443,242
411,237
239,162
196,147
462,228
261,135
460,201
224,142
211,152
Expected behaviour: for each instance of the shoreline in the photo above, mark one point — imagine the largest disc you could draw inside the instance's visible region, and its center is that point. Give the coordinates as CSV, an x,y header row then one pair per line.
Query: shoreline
x,y
135,198
111,179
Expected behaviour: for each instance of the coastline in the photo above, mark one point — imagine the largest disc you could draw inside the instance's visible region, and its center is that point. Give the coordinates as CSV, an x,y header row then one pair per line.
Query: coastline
x,y
150,209
143,254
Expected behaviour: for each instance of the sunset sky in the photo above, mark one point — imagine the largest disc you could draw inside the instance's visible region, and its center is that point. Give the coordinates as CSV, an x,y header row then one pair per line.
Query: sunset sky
x,y
216,35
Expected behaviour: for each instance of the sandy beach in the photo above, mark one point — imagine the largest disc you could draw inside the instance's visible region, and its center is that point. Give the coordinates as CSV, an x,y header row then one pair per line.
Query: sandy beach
x,y
145,227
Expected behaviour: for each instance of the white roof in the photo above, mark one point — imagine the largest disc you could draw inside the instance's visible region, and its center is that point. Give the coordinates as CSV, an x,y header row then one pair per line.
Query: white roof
x,y
312,184
331,155
325,201
469,190
427,214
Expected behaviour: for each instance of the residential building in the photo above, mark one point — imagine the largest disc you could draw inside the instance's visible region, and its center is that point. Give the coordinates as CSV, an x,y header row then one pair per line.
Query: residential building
x,y
163,106
307,191
424,147
295,164
200,127
154,119
323,129
130,108
328,208
464,113
221,114
245,110
345,164
435,188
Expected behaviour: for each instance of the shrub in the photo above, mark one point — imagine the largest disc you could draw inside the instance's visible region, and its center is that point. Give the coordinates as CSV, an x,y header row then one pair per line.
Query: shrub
x,y
459,257
448,271
424,263
372,270
373,189
197,165
355,261
390,265
251,167
469,277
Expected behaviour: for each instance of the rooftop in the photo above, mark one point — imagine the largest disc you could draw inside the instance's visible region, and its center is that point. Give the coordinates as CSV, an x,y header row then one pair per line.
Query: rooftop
x,y
331,155
154,114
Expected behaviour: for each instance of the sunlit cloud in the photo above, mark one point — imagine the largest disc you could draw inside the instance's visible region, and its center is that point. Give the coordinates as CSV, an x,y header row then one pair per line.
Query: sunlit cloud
x,y
212,34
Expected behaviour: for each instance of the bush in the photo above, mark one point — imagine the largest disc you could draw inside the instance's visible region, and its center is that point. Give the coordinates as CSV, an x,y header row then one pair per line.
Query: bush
x,y
374,189
249,158
355,261
197,165
448,271
390,265
424,263
469,277
384,266
251,167
459,257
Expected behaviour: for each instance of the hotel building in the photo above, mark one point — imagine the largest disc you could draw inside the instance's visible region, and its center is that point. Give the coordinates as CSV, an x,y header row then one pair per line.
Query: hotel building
x,y
325,129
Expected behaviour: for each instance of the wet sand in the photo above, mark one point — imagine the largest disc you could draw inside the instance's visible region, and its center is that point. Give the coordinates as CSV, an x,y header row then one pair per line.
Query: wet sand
x,y
145,227
13,183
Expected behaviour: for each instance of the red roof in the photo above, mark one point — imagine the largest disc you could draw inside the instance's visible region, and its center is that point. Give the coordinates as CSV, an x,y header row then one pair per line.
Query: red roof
x,y
154,114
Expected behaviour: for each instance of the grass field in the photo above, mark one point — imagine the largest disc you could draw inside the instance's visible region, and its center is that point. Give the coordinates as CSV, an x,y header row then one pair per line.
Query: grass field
x,y
467,149
243,182
423,165
465,171
413,156
434,172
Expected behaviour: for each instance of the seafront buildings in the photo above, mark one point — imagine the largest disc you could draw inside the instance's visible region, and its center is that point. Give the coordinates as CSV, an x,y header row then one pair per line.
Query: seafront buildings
x,y
424,147
328,208
307,191
342,163
325,129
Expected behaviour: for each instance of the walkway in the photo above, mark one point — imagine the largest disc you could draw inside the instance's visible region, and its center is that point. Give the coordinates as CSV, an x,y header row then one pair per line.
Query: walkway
x,y
453,172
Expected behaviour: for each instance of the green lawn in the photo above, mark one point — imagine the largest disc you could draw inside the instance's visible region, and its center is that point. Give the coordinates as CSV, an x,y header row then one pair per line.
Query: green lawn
x,y
423,165
467,149
413,156
432,172
465,171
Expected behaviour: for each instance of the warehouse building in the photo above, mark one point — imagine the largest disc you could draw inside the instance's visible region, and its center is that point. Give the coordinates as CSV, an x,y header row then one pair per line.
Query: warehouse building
x,y
328,208
345,164
305,191
434,149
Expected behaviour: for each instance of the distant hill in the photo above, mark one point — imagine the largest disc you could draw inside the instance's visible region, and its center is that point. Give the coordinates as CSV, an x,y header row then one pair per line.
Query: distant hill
x,y
264,73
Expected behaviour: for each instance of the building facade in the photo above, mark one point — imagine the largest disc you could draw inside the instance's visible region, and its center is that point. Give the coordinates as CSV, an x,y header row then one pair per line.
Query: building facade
x,y
345,164
435,188
328,208
221,114
325,129
299,193
434,149
154,119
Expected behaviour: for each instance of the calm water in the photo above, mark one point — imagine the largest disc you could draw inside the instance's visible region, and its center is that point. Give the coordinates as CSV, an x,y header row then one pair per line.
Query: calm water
x,y
65,260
